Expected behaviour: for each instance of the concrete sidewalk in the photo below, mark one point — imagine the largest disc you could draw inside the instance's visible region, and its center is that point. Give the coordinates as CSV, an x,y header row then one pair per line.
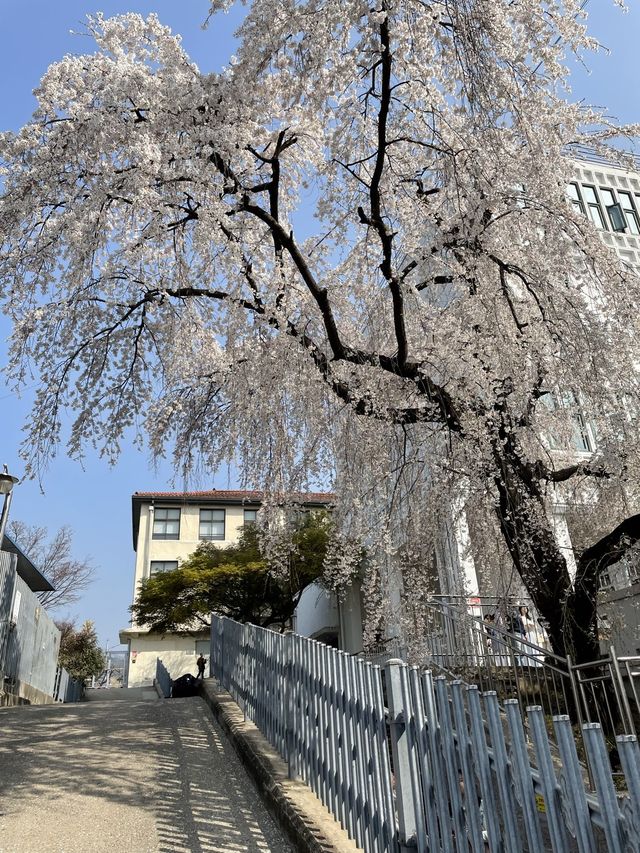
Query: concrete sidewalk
x,y
144,776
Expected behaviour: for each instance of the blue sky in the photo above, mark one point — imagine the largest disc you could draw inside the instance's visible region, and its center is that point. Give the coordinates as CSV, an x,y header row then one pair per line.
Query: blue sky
x,y
94,498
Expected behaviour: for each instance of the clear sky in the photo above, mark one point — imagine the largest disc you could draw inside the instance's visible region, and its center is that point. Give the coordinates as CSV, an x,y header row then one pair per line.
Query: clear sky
x,y
94,498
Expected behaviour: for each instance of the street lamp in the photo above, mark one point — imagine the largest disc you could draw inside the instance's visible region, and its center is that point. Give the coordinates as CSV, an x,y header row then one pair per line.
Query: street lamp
x,y
7,482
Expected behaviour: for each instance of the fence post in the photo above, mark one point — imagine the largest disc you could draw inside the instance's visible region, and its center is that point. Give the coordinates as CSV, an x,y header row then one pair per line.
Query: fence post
x,y
243,669
290,716
222,678
398,721
621,694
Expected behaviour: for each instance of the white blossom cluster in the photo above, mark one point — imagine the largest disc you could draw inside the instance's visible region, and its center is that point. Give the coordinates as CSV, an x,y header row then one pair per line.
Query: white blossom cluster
x,y
151,263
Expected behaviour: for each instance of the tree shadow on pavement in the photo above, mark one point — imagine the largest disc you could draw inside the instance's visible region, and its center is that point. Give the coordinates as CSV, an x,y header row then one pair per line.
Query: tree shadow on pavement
x,y
162,767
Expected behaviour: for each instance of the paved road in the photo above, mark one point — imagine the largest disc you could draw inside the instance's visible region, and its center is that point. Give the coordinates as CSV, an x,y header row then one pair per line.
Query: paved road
x,y
139,776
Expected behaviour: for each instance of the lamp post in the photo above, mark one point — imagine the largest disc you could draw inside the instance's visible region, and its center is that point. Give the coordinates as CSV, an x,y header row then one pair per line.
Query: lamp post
x,y
7,482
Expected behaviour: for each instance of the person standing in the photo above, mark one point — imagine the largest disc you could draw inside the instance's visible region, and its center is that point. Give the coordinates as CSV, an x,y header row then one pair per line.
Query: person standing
x,y
201,662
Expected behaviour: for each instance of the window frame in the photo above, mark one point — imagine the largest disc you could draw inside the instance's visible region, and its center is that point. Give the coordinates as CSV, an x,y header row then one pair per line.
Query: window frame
x,y
247,521
583,434
605,583
577,202
173,563
632,211
595,205
212,537
164,535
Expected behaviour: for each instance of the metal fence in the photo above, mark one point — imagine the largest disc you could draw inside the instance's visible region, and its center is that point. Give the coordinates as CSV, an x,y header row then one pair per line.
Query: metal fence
x,y
66,688
163,678
462,645
445,767
323,710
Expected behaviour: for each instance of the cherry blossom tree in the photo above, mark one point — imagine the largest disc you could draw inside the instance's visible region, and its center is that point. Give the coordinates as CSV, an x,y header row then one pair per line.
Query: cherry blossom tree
x,y
346,256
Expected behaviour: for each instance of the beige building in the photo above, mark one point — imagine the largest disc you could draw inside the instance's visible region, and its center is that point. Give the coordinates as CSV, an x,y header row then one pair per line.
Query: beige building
x,y
167,528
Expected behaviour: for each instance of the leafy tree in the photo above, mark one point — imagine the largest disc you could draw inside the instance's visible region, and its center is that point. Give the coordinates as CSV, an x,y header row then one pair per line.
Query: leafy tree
x,y
235,581
160,265
80,653
53,557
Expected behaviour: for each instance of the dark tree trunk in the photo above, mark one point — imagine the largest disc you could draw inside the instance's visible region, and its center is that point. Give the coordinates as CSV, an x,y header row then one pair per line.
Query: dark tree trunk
x,y
582,606
570,611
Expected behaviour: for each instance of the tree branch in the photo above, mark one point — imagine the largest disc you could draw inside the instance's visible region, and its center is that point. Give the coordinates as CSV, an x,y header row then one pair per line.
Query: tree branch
x,y
611,547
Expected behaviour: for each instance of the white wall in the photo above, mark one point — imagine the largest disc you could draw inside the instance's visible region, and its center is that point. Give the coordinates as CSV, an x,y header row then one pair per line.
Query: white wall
x,y
316,612
178,654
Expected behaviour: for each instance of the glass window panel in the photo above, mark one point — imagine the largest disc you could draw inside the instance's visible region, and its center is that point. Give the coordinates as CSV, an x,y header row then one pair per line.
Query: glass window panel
x,y
572,192
166,523
632,222
157,566
212,523
596,216
574,196
626,200
617,218
581,434
589,195
607,197
250,516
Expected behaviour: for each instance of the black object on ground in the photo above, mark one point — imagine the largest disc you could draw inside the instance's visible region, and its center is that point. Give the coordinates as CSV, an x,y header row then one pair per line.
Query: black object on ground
x,y
186,685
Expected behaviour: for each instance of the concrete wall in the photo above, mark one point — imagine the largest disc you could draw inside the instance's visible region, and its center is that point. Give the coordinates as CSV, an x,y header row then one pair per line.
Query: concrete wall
x,y
24,694
178,653
351,620
619,612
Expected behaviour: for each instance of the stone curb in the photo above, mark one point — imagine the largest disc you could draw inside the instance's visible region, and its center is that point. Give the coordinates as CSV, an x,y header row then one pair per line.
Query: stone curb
x,y
295,807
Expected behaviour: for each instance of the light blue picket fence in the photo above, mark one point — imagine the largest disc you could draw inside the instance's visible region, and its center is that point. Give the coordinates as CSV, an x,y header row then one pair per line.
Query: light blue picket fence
x,y
406,761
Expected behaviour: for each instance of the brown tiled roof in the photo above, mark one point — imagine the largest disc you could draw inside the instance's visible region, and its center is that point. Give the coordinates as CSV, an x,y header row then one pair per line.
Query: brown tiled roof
x,y
235,495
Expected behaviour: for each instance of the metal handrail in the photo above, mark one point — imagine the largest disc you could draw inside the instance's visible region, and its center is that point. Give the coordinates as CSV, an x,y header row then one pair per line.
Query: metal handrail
x,y
603,691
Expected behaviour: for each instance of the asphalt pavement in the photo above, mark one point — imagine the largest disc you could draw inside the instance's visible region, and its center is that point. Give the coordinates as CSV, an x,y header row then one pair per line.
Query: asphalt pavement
x,y
139,776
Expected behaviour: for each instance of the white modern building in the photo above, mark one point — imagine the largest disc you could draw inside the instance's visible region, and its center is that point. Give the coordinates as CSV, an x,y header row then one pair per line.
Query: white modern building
x,y
610,197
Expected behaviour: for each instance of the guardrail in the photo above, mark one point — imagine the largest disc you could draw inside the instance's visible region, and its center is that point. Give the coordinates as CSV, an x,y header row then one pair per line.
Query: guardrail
x,y
444,768
464,646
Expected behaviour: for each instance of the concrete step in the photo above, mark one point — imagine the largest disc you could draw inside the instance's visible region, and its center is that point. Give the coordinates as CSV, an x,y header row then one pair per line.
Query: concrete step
x,y
119,694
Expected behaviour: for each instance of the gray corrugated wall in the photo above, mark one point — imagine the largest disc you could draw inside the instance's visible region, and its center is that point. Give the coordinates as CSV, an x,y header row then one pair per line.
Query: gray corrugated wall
x,y
8,578
30,649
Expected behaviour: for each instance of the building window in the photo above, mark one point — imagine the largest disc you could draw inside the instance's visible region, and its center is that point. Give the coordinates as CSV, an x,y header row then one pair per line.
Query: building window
x,y
604,581
166,523
594,208
574,197
157,566
614,210
583,434
250,516
630,213
212,523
